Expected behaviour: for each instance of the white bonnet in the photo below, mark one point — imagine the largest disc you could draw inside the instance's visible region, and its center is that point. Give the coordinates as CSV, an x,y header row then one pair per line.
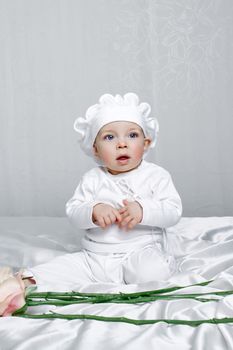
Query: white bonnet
x,y
111,109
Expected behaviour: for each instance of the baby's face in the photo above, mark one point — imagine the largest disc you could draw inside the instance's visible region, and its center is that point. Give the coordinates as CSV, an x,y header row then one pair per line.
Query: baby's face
x,y
120,146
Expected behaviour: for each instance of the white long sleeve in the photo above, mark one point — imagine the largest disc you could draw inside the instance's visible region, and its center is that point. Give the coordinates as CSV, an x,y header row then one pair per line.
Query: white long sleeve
x,y
164,209
149,184
79,208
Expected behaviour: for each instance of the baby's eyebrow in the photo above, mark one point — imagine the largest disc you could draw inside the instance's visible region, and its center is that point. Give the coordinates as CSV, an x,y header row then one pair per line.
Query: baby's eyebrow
x,y
103,132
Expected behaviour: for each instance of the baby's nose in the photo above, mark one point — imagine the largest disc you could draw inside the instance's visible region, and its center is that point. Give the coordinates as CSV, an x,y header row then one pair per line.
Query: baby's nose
x,y
121,143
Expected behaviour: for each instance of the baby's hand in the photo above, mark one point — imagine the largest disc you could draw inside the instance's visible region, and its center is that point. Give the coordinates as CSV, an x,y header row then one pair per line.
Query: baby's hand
x,y
105,215
131,214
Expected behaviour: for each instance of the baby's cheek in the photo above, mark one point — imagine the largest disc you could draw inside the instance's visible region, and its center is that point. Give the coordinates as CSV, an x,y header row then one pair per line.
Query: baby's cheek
x,y
138,153
107,157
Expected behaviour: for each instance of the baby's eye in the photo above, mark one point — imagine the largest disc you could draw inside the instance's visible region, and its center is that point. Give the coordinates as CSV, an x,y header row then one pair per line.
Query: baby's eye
x,y
108,137
133,135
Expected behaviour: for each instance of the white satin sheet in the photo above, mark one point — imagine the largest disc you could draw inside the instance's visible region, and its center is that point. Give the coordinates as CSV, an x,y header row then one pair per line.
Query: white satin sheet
x,y
203,248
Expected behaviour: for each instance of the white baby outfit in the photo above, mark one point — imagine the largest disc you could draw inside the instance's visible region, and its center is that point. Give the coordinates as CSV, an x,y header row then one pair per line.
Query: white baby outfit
x,y
113,254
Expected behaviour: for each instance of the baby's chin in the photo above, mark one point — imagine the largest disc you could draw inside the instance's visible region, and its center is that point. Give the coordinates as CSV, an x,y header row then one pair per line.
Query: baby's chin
x,y
122,170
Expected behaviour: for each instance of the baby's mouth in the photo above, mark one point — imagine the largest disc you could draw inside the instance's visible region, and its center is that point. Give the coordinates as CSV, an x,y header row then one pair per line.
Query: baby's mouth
x,y
123,157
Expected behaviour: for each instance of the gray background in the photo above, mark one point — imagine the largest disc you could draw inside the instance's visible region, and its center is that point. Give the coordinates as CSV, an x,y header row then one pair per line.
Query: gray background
x,y
58,56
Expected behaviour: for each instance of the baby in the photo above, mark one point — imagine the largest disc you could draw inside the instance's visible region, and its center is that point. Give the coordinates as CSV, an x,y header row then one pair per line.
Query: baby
x,y
124,204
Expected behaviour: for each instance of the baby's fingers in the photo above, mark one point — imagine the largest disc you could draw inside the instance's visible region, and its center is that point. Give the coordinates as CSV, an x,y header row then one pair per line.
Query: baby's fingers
x,y
100,222
125,202
122,210
125,221
118,217
108,220
131,224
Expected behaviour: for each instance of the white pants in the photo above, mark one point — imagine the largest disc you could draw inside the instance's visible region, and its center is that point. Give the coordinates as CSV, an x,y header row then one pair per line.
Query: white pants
x,y
142,265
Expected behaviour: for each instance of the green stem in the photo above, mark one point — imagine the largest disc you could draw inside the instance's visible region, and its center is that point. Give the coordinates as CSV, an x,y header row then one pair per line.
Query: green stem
x,y
54,295
193,323
59,302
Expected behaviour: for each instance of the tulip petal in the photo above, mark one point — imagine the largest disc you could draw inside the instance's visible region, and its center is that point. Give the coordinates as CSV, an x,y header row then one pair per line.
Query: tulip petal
x,y
12,292
15,303
5,273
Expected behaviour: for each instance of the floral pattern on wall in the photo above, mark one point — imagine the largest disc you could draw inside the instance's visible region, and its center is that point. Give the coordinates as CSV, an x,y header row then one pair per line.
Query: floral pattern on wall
x,y
179,43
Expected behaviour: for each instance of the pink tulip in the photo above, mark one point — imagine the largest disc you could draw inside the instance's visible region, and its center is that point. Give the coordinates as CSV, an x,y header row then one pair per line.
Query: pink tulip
x,y
12,292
